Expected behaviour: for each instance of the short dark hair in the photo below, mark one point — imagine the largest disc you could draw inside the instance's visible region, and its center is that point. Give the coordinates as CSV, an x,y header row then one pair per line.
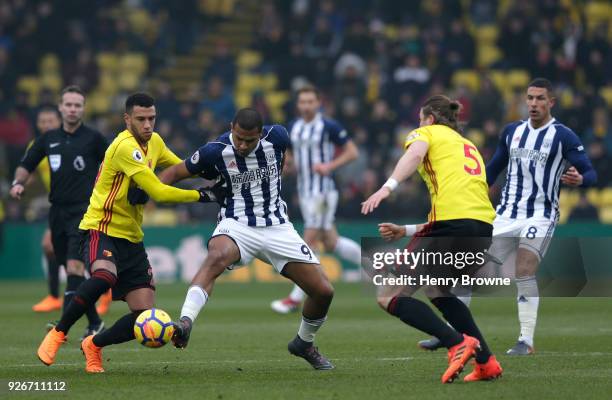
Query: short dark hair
x,y
308,89
72,89
542,83
48,108
138,99
248,119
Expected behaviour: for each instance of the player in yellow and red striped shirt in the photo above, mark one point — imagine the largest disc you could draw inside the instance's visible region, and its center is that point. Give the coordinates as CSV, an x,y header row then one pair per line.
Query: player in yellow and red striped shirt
x,y
113,248
455,175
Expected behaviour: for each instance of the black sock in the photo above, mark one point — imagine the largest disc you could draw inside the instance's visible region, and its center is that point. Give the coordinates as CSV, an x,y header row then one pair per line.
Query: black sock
x,y
53,277
92,316
122,331
460,317
420,316
72,284
86,295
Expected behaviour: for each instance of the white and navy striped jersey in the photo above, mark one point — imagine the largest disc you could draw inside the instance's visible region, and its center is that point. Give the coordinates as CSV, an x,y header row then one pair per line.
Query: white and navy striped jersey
x,y
313,143
535,159
253,183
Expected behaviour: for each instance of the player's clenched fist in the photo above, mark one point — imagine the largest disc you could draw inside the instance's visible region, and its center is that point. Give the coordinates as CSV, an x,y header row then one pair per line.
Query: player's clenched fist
x,y
17,191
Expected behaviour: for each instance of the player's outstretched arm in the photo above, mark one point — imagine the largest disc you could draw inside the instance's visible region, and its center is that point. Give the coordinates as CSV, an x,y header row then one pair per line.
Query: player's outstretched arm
x,y
405,167
161,193
175,173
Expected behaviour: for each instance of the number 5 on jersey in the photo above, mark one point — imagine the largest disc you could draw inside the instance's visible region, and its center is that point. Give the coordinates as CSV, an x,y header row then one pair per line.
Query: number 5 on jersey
x,y
471,152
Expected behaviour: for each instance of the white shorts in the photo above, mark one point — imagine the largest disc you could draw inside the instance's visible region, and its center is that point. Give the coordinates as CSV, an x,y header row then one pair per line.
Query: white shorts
x,y
276,244
319,211
533,234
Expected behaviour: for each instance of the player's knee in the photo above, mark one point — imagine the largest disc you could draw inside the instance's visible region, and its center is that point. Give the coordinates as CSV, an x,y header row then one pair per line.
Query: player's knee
x,y
75,269
47,248
217,260
326,292
383,302
329,243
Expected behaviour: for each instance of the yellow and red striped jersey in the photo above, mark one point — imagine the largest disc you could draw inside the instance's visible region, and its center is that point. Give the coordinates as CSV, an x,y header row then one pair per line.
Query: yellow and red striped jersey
x,y
109,210
455,175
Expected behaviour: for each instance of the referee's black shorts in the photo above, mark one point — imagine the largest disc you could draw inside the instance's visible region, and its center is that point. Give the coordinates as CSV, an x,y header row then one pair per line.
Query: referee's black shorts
x,y
64,223
133,267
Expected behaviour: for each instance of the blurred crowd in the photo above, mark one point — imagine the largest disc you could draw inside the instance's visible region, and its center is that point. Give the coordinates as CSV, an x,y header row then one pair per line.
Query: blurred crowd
x,y
375,62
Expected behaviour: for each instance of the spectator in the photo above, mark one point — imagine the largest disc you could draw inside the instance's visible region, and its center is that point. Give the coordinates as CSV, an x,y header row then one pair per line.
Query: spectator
x,y
222,64
412,76
600,158
323,42
218,100
584,211
486,104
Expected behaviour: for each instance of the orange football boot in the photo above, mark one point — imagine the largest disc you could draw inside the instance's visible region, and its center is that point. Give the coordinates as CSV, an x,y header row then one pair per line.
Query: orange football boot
x,y
93,356
485,372
50,346
104,303
458,356
48,304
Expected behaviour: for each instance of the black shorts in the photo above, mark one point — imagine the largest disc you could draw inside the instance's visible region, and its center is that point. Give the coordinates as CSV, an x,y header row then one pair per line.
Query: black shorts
x,y
64,224
130,259
454,236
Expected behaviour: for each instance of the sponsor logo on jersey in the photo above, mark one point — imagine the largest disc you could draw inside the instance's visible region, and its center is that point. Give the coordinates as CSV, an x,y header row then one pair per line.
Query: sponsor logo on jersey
x,y
529,154
254,175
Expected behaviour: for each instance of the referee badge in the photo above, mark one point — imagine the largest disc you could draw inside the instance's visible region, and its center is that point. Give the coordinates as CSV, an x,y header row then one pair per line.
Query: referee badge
x,y
55,160
137,155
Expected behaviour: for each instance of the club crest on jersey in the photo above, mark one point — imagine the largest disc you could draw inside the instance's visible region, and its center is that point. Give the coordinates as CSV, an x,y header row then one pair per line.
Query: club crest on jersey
x,y
55,160
79,163
137,155
195,157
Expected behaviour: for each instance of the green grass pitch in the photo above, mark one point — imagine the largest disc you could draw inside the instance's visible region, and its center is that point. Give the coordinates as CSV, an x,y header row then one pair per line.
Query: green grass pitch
x,y
238,349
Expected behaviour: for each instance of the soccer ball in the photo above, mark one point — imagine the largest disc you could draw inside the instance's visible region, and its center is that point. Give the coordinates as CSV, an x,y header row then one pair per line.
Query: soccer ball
x,y
153,328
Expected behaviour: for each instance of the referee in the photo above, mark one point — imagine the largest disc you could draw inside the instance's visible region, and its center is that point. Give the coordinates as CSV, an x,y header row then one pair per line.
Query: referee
x,y
74,153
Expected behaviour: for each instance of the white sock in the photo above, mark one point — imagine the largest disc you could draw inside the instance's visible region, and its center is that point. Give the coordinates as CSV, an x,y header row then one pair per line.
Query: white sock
x,y
297,294
527,300
348,249
309,327
195,299
463,293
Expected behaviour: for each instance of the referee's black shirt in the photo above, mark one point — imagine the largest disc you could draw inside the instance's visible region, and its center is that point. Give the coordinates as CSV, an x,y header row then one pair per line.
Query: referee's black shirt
x,y
73,159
